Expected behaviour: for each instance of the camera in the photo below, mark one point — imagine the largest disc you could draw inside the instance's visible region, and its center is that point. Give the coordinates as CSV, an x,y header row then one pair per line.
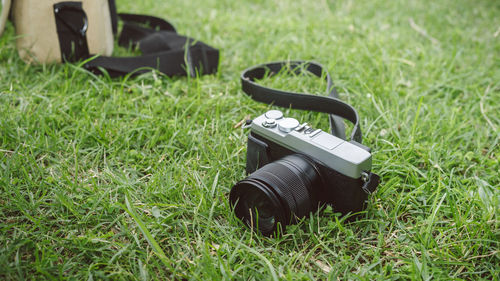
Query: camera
x,y
296,169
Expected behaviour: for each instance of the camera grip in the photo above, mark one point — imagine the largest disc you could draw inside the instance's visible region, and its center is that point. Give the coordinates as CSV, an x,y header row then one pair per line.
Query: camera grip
x,y
257,154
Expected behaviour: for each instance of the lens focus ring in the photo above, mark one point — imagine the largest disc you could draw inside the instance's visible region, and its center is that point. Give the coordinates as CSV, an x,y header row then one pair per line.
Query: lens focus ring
x,y
288,185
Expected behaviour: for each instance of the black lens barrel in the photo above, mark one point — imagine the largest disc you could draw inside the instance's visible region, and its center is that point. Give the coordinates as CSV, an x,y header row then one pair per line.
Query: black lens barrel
x,y
291,183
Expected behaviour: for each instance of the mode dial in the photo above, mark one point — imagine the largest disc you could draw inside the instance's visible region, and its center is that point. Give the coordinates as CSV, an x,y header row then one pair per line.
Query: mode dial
x,y
288,124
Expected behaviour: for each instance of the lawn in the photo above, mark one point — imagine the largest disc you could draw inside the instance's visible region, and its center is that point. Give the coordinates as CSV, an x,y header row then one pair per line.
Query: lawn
x,y
129,178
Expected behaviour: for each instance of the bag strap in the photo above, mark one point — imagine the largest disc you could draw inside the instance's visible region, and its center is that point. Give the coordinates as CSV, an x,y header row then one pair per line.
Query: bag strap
x,y
162,48
114,15
331,104
71,26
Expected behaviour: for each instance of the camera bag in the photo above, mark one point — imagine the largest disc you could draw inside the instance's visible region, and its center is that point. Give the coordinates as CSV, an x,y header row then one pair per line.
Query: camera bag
x,y
52,31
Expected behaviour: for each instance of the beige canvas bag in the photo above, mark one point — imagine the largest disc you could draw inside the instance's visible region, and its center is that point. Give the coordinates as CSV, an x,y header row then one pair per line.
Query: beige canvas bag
x,y
4,14
36,30
50,31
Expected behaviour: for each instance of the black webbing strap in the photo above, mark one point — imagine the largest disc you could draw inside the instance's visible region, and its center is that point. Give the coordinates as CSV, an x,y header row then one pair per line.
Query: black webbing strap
x,y
71,25
162,49
114,15
153,23
337,109
171,63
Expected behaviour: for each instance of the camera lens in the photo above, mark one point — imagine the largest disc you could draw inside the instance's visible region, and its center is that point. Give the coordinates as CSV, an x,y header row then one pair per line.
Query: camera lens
x,y
277,193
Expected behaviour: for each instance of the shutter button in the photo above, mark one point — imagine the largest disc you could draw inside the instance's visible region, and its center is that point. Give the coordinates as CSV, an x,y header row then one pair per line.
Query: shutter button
x,y
269,123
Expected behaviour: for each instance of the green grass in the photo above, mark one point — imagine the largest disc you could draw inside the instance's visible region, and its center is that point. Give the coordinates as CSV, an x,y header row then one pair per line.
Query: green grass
x,y
129,178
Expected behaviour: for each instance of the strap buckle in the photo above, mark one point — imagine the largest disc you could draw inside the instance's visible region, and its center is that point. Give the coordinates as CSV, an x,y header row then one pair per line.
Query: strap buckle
x,y
370,180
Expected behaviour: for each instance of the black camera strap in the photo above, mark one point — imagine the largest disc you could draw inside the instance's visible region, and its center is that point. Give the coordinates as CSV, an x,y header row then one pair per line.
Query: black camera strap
x,y
331,104
337,109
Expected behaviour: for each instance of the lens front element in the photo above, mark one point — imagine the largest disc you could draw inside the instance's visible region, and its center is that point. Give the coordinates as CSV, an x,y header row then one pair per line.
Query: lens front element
x,y
256,205
261,211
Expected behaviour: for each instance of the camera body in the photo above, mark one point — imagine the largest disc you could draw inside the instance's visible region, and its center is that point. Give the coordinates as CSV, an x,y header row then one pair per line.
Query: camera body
x,y
340,163
295,170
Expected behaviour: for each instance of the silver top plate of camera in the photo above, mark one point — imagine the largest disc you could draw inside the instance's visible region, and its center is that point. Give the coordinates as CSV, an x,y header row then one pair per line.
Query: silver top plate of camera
x,y
338,154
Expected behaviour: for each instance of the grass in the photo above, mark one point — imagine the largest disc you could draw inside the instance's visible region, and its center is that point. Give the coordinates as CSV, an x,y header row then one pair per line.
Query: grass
x,y
129,178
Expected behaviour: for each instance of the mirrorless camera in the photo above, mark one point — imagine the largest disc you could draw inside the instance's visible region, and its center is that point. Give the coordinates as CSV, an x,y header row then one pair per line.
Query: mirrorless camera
x,y
295,170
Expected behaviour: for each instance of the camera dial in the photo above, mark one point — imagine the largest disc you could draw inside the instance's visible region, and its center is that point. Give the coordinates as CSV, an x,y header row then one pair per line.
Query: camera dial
x,y
274,114
288,124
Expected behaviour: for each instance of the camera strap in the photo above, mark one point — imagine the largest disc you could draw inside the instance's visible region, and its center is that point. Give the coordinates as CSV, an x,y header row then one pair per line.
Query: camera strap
x,y
161,46
331,104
